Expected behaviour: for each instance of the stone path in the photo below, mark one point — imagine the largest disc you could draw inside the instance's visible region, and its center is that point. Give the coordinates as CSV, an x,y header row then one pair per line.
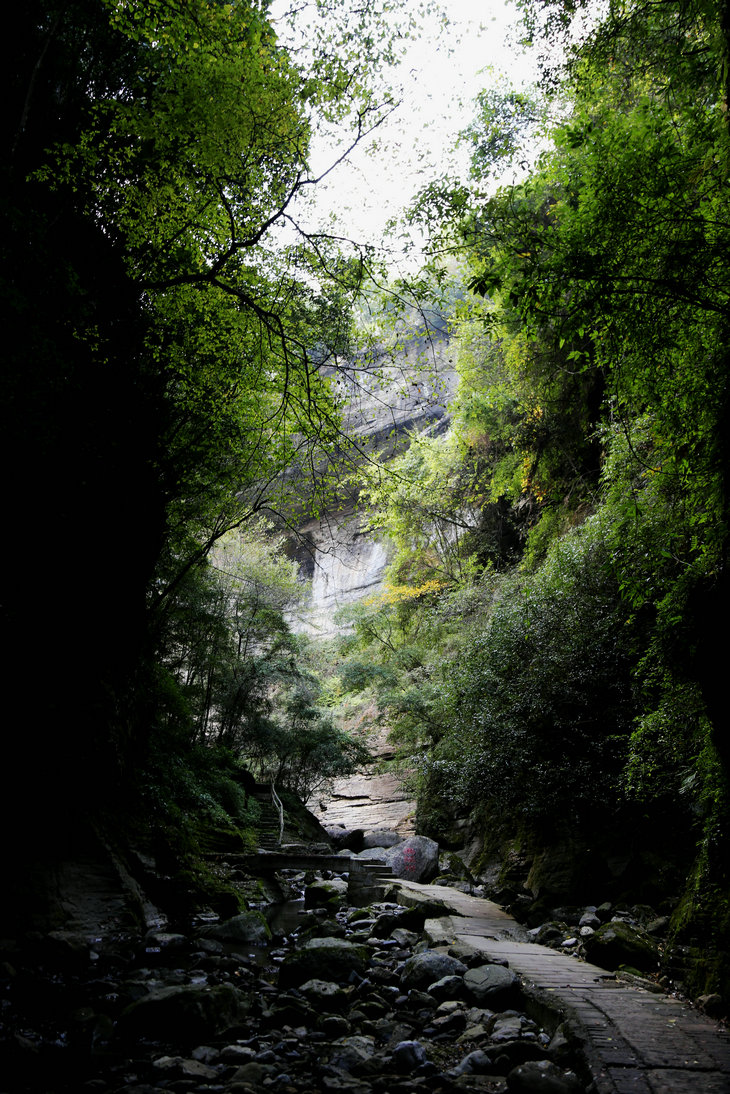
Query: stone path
x,y
633,1041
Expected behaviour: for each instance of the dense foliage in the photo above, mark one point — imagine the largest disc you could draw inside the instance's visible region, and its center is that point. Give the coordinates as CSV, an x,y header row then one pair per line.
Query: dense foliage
x,y
169,314
551,663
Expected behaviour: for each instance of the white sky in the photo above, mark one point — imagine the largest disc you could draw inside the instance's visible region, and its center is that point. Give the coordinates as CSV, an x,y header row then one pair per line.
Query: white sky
x,y
441,73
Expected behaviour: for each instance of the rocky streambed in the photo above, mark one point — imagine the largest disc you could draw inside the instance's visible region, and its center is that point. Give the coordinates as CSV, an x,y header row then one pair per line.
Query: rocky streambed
x,y
340,998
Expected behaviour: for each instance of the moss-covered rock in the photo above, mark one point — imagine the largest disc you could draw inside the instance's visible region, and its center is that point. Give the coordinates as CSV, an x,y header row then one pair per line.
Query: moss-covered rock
x,y
336,957
248,927
618,943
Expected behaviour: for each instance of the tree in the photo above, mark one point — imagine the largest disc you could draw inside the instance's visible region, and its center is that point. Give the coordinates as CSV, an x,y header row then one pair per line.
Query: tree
x,y
166,339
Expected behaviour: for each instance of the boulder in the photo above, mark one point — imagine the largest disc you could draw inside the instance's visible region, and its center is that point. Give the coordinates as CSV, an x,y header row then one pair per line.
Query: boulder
x,y
382,837
618,943
407,1056
415,859
353,1054
350,839
428,967
189,1012
542,1077
336,957
247,927
492,985
326,893
325,996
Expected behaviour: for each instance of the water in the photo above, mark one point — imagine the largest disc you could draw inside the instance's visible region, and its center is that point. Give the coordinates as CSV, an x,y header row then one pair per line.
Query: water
x,y
285,917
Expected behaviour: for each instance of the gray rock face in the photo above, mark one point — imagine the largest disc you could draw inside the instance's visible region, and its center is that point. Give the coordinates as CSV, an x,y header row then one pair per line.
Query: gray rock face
x,y
343,561
428,967
371,801
492,985
476,1063
415,859
448,987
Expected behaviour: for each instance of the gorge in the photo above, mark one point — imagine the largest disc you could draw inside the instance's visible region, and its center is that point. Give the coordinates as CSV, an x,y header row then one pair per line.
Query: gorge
x,y
271,490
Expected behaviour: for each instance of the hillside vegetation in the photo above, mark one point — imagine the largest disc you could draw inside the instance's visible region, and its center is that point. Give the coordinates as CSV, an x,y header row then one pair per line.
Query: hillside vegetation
x,y
550,649
551,644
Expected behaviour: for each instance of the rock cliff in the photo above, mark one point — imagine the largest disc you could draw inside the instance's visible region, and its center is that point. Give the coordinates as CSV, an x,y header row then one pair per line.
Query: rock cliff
x,y
384,402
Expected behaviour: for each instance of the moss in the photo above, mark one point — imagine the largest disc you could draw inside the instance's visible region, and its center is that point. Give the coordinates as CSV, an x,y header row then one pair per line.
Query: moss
x,y
701,924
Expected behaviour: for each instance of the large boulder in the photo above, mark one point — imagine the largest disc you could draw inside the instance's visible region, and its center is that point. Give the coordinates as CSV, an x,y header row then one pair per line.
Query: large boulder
x,y
336,958
327,894
190,1012
428,967
350,839
414,859
381,837
492,986
247,927
618,943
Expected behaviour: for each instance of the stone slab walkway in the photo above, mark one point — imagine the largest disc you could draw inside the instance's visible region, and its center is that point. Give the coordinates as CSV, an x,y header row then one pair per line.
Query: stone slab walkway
x,y
633,1041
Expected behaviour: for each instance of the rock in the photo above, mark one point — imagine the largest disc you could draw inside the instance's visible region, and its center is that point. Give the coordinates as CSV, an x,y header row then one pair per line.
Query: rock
x,y
408,1055
589,919
382,837
415,859
165,940
333,1025
448,987
549,932
337,957
247,927
411,919
476,1063
618,943
712,1005
195,1069
451,865
492,985
353,1054
404,938
510,1054
326,893
253,1074
506,1028
67,948
542,1077
426,968
439,932
190,1012
325,995
350,839
236,1054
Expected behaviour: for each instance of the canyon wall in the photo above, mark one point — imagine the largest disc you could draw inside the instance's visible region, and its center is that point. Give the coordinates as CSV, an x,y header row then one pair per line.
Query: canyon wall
x,y
384,401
